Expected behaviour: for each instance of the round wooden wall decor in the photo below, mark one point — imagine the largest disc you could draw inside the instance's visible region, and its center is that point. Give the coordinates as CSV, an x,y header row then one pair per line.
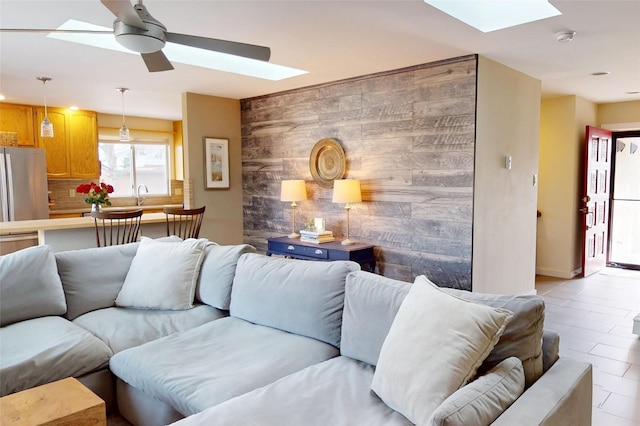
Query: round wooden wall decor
x,y
327,162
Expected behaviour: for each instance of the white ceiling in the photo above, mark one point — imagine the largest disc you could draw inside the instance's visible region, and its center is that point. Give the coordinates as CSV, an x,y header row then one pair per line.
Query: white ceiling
x,y
332,40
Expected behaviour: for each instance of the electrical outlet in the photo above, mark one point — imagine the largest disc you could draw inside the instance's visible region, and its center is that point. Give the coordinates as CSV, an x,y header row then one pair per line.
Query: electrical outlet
x,y
72,193
178,191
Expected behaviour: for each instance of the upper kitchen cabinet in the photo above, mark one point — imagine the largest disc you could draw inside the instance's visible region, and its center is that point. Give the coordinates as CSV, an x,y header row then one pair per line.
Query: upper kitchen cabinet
x,y
73,151
19,119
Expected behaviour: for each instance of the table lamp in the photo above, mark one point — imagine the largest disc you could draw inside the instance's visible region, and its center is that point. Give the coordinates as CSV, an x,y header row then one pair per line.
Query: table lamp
x,y
293,190
347,191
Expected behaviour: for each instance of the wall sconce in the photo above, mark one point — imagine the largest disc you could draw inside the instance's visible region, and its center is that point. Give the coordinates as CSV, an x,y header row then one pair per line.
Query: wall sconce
x,y
347,191
293,190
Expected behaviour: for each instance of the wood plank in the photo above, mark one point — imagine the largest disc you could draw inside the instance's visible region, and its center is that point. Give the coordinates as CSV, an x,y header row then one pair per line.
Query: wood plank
x,y
444,178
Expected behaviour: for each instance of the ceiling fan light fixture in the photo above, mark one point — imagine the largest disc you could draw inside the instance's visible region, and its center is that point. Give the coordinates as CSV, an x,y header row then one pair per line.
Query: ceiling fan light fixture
x,y
138,40
123,133
46,127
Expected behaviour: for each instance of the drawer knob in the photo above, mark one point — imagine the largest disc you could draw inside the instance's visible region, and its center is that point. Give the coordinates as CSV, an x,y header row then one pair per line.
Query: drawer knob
x,y
291,248
318,251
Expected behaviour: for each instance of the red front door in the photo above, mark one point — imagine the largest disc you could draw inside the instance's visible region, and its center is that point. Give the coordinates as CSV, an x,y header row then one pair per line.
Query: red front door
x,y
595,201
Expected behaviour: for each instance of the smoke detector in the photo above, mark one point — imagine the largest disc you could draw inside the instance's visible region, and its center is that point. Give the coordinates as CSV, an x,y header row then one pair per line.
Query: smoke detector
x,y
565,36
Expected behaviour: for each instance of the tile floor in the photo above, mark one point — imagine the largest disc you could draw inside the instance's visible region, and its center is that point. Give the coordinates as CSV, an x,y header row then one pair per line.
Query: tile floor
x,y
594,317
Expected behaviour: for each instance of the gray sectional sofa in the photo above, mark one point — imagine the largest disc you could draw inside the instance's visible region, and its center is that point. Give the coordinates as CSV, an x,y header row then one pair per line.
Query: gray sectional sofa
x,y
261,340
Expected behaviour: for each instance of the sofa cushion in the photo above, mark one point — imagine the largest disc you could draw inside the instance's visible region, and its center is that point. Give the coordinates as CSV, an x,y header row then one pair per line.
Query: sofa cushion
x,y
30,286
123,328
434,347
297,296
207,365
334,392
523,336
217,272
92,278
481,402
370,305
46,349
163,275
371,302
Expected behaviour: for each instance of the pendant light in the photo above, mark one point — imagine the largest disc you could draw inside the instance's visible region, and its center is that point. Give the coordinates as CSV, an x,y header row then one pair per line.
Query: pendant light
x,y
46,127
124,131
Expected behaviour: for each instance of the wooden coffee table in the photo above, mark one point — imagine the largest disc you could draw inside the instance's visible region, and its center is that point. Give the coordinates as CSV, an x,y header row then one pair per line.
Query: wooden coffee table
x,y
65,402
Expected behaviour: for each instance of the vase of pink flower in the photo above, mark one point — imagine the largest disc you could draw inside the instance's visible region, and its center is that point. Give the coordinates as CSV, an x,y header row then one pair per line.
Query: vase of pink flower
x,y
95,194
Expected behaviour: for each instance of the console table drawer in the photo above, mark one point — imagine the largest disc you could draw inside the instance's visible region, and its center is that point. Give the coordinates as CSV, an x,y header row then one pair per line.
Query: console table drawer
x,y
299,250
360,253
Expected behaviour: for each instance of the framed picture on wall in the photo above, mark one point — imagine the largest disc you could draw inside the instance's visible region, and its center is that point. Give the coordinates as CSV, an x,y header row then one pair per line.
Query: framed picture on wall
x,y
216,154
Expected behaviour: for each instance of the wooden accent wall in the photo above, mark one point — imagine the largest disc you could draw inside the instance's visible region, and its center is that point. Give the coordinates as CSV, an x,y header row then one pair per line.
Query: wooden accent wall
x,y
409,136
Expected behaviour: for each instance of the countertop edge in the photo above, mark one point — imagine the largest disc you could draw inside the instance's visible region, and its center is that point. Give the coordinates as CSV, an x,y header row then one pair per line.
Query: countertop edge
x,y
25,226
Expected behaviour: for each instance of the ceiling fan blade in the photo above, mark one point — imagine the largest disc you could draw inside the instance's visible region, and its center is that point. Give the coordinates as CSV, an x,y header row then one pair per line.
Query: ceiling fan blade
x,y
156,61
125,11
44,30
224,46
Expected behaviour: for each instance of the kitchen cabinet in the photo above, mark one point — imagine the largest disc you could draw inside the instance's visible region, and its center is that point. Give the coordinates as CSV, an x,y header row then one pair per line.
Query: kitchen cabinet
x,y
19,119
73,151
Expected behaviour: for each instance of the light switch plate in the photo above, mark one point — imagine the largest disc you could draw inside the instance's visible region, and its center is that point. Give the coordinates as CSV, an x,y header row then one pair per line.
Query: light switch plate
x,y
72,193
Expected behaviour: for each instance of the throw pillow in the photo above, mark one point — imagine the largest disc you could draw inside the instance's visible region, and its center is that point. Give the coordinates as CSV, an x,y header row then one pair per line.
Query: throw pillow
x,y
434,347
163,275
30,286
482,401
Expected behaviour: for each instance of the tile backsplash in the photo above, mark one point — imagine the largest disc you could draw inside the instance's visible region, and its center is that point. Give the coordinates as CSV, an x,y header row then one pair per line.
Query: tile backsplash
x,y
60,195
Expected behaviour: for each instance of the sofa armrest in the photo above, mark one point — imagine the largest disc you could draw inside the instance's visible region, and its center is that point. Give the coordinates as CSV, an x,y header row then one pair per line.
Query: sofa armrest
x,y
550,349
562,396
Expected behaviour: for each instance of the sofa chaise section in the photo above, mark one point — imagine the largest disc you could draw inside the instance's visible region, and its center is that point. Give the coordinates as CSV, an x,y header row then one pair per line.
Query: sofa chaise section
x,y
285,315
338,391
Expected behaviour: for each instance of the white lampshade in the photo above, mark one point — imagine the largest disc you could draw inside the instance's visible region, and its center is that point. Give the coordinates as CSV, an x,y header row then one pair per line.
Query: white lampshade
x,y
293,190
346,191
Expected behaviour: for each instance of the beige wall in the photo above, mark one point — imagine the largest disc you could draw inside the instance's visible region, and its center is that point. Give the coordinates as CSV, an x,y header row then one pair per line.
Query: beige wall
x,y
620,113
214,117
504,202
114,122
562,133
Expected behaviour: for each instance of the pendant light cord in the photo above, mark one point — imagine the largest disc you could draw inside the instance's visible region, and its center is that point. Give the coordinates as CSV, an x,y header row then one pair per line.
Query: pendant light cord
x,y
122,90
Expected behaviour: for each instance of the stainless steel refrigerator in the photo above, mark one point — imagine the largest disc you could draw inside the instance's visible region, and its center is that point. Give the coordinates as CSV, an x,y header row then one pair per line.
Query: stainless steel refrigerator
x,y
23,193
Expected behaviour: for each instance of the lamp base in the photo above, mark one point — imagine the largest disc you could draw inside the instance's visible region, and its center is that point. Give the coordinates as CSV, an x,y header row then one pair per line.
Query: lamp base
x,y
293,235
347,242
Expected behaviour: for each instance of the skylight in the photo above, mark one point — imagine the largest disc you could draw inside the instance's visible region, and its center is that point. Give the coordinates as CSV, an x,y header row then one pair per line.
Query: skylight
x,y
492,15
180,53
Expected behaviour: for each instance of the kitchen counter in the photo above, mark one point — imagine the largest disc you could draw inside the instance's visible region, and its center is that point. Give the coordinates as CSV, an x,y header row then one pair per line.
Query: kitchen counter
x,y
87,209
74,233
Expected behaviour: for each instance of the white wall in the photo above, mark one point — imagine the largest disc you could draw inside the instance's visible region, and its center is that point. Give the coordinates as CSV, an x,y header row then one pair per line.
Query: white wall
x,y
505,201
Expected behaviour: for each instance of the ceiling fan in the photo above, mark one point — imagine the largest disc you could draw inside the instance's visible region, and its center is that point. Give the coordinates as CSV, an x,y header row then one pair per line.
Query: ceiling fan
x,y
135,29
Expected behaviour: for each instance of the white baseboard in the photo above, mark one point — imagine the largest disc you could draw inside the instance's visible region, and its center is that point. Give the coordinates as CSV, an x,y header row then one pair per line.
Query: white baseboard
x,y
558,274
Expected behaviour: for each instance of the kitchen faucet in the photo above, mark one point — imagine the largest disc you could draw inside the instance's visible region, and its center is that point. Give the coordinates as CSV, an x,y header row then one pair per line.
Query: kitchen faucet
x,y
140,198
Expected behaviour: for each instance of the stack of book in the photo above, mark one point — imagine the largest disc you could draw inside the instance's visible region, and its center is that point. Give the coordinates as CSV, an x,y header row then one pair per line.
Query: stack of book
x,y
316,237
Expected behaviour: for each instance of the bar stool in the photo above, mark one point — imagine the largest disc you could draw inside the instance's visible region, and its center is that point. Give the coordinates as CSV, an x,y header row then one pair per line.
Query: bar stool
x,y
117,227
185,223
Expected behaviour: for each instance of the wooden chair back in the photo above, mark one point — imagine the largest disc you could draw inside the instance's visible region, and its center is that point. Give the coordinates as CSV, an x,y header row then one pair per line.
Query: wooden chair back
x,y
185,223
117,227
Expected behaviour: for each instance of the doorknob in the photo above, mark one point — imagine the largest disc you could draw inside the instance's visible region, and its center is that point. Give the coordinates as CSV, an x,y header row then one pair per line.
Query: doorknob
x,y
583,210
586,198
